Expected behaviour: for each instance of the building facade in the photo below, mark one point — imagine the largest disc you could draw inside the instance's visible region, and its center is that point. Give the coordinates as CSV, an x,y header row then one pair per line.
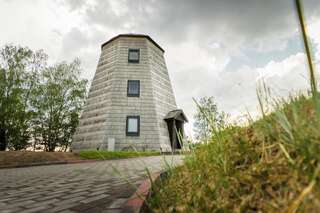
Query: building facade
x,y
130,99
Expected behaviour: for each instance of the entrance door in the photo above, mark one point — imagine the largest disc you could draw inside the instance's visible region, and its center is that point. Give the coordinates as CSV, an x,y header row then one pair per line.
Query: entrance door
x,y
175,128
175,120
179,134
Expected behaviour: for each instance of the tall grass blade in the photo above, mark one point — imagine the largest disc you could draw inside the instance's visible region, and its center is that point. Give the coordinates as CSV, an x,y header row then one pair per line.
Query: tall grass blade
x,y
286,153
285,124
313,82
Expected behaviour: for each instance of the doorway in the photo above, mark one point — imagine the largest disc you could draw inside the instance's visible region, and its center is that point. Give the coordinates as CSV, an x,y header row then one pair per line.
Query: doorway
x,y
175,121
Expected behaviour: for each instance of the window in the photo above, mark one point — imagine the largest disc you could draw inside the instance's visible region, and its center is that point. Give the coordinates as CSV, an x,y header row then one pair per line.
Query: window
x,y
134,56
133,88
133,126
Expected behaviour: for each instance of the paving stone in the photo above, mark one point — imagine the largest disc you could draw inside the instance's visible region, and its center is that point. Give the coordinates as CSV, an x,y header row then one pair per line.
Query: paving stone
x,y
59,191
93,210
61,207
75,195
15,209
117,203
27,197
81,207
48,197
88,200
73,188
112,211
44,203
73,200
36,209
97,193
80,190
67,211
24,203
5,199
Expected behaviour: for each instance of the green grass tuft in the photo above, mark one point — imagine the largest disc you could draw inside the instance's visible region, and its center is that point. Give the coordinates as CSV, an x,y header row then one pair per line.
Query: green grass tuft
x,y
270,165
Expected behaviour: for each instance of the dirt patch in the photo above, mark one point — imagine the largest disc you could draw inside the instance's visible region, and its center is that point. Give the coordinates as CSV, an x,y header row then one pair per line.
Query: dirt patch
x,y
25,158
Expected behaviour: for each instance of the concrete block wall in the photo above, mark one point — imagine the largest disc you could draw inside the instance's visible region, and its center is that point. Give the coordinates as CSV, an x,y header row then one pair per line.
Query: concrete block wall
x,y
163,92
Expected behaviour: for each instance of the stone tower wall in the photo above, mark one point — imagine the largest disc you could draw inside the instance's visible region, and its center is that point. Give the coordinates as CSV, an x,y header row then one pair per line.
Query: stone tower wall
x,y
91,130
163,93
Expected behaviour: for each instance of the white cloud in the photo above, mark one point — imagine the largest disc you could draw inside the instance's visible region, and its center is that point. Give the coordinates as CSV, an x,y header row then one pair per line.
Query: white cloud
x,y
38,25
280,69
314,33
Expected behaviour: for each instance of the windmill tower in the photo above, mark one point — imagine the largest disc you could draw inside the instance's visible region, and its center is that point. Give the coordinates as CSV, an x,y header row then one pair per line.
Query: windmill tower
x,y
130,103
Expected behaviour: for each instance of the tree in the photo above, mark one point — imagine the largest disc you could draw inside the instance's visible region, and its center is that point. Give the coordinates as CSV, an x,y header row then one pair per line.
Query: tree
x,y
38,103
207,119
58,102
18,71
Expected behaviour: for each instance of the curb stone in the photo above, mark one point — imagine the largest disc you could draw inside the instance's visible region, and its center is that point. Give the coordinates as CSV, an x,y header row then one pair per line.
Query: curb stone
x,y
137,202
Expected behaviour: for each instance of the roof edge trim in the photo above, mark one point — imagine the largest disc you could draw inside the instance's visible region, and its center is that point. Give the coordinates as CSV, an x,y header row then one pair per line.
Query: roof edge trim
x,y
133,36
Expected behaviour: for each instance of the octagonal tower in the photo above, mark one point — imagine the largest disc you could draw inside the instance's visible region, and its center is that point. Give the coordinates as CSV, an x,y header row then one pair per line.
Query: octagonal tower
x,y
130,103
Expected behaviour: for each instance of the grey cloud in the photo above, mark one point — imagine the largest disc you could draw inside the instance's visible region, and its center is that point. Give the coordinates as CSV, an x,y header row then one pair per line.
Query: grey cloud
x,y
74,40
74,4
230,22
84,45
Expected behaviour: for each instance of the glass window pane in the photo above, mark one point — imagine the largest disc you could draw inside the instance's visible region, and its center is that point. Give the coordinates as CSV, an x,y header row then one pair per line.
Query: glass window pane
x,y
133,87
134,55
132,125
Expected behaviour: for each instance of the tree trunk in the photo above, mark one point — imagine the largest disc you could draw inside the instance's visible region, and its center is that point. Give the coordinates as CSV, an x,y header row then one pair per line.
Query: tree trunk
x,y
51,146
51,149
3,140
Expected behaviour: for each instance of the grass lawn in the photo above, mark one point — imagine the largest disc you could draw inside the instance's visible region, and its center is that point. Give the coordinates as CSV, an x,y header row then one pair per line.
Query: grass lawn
x,y
105,155
23,158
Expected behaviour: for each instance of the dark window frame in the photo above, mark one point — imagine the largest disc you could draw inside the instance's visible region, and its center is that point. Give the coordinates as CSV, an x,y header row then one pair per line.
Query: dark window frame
x,y
131,94
127,125
134,61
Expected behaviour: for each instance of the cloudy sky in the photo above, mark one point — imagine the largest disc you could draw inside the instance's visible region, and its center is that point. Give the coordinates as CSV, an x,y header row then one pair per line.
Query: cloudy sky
x,y
218,48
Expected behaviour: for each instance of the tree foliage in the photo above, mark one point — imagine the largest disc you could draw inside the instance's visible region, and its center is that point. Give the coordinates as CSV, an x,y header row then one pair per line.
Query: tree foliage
x,y
207,119
37,103
18,68
58,101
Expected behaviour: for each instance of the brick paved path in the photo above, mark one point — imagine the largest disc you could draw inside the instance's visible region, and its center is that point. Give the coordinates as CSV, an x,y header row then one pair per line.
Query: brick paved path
x,y
84,187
